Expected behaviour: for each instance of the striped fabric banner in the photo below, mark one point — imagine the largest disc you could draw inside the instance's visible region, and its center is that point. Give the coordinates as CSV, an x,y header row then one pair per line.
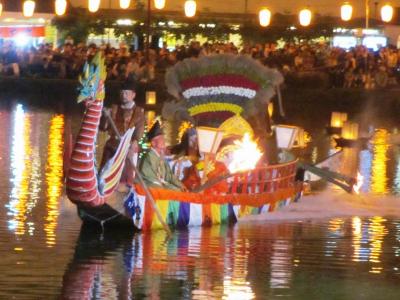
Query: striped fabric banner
x,y
183,214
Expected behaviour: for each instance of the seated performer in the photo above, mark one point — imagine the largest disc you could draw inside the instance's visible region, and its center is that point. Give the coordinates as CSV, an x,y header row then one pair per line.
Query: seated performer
x,y
153,167
185,154
125,115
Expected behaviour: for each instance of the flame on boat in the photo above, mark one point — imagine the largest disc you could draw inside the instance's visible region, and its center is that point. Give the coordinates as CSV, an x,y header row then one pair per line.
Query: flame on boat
x,y
359,183
245,156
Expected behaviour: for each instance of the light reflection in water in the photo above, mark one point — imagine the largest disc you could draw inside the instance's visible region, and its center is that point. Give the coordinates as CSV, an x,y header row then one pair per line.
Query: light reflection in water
x,y
281,264
212,263
357,226
336,225
21,168
396,181
54,176
397,247
360,252
236,286
377,232
379,162
335,228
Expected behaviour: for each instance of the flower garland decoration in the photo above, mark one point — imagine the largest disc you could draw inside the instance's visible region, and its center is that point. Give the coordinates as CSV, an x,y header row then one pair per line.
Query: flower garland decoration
x,y
213,87
215,106
218,90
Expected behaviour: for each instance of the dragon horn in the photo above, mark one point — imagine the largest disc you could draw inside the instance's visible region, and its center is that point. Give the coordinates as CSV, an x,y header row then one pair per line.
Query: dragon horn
x,y
99,61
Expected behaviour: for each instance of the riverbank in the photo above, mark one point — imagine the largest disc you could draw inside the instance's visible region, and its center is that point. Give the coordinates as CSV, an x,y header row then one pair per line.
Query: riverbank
x,y
332,204
296,99
56,91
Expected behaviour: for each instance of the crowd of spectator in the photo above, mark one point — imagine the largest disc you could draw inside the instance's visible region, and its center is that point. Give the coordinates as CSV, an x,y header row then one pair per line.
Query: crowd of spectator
x,y
357,67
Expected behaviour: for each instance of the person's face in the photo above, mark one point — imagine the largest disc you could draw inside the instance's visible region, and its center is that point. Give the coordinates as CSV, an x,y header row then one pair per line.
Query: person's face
x,y
158,143
127,96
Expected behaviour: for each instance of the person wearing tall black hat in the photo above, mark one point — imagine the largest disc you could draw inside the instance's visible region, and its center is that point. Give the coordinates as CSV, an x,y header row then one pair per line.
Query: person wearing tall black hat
x,y
126,114
153,167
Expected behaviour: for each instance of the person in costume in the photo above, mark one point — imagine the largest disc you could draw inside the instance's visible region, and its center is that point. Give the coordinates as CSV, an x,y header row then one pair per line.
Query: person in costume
x,y
153,167
185,153
125,115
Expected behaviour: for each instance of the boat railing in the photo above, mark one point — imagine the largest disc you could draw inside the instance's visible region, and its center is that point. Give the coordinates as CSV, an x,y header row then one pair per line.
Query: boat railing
x,y
263,185
266,179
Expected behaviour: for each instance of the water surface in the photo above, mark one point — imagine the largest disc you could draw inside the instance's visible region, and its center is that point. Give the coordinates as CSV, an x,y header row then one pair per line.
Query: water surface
x,y
46,255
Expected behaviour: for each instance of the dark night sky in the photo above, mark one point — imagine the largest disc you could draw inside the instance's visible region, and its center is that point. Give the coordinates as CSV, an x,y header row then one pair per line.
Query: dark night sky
x,y
42,6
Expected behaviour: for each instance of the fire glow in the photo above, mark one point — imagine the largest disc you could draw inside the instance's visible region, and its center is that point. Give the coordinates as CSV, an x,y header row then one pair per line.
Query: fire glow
x,y
358,184
245,156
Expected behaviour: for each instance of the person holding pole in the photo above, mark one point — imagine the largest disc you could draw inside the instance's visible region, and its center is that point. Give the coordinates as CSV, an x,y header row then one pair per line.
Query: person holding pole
x,y
125,115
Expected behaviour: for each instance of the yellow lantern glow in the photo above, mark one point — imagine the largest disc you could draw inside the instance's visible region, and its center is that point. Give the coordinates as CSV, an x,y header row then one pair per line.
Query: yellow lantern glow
x,y
190,8
337,119
150,116
346,11
350,130
61,7
265,17
387,13
270,109
305,16
93,5
124,4
151,97
1,9
29,8
159,4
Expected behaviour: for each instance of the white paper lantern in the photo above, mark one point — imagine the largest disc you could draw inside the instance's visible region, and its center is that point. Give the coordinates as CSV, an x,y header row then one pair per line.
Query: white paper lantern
x,y
190,8
29,8
346,11
93,5
305,16
209,139
265,17
285,136
387,13
60,7
159,4
124,4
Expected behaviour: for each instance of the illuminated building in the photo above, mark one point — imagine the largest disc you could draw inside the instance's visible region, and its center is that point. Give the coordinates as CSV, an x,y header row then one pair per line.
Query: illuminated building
x,y
26,31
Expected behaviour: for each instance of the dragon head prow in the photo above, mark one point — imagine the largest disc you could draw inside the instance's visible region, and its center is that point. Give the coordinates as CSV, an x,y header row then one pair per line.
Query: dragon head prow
x,y
92,79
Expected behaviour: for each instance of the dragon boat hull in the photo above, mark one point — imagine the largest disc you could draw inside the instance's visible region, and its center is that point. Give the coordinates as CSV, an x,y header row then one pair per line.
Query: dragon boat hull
x,y
256,192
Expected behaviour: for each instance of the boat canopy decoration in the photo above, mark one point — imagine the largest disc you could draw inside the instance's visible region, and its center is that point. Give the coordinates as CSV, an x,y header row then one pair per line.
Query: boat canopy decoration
x,y
217,87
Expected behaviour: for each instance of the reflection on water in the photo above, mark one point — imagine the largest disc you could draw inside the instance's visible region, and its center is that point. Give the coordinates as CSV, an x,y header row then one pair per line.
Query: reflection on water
x,y
377,231
360,251
255,261
335,230
237,263
379,162
235,283
21,203
281,264
54,176
396,184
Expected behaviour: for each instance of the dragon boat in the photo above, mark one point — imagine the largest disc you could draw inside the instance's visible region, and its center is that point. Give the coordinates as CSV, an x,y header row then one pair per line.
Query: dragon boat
x,y
225,92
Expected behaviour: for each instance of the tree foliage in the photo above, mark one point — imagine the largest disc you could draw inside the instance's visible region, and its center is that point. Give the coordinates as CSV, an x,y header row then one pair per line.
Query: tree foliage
x,y
79,23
